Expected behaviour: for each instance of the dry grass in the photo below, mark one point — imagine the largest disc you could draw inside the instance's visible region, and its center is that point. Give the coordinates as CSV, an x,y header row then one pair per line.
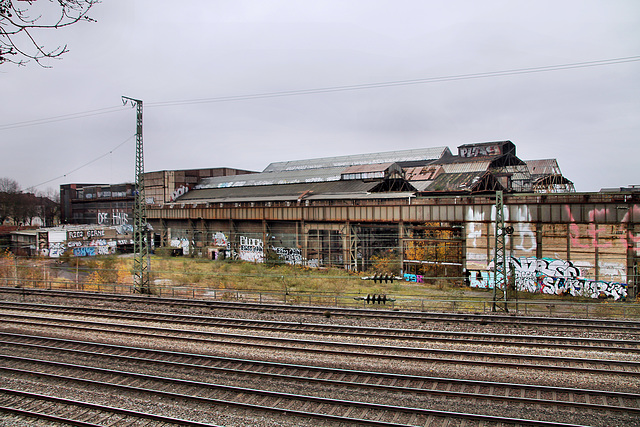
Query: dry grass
x,y
203,274
236,280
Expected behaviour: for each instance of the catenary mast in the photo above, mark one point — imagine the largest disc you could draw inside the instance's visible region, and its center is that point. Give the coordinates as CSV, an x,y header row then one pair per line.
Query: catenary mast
x,y
141,262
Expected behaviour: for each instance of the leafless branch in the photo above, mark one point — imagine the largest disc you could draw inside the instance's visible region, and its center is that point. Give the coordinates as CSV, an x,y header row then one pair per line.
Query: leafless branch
x,y
18,26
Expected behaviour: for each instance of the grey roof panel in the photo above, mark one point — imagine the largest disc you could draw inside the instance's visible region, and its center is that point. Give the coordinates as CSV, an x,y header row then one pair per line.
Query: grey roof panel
x,y
543,167
464,167
420,154
273,178
337,189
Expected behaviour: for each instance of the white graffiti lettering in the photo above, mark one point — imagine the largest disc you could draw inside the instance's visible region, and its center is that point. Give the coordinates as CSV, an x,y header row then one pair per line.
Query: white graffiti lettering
x,y
179,192
251,249
103,218
56,249
95,233
291,256
475,151
181,243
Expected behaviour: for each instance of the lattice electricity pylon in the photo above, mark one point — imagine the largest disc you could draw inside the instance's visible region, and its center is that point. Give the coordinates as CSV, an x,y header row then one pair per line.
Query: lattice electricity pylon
x,y
500,258
141,262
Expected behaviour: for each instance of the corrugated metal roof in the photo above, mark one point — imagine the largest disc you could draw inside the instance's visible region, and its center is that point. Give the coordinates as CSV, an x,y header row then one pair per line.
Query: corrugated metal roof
x,y
272,178
464,167
377,167
518,173
421,185
423,173
543,167
456,181
333,190
420,154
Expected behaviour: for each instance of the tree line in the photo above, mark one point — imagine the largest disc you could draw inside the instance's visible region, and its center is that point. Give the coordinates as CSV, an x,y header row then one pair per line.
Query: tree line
x,y
18,207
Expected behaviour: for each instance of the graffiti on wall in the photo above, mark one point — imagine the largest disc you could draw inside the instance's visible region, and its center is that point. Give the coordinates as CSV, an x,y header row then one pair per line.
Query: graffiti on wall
x,y
551,276
291,256
124,229
220,239
416,278
56,249
251,249
92,247
181,244
115,217
627,237
83,251
183,189
480,150
526,239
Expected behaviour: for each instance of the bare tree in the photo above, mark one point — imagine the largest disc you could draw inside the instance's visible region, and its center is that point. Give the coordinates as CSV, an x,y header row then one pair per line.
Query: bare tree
x,y
20,23
9,191
22,207
8,185
49,201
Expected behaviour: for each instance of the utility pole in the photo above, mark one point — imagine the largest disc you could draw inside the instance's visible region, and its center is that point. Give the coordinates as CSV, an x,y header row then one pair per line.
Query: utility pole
x,y
500,258
141,261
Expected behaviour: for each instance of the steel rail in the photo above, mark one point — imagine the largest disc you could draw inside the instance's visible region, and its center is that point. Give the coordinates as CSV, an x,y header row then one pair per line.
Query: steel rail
x,y
274,394
270,364
377,375
391,313
87,405
201,336
355,331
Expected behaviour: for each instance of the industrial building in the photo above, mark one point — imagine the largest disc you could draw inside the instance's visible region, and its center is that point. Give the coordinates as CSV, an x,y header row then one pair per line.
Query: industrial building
x,y
426,214
112,204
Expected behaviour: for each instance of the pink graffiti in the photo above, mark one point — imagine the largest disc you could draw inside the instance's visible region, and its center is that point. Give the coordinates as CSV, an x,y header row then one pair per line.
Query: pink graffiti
x,y
626,236
418,278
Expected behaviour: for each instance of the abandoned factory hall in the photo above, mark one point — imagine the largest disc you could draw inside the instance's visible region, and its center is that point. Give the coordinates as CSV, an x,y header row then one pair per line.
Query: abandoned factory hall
x,y
423,214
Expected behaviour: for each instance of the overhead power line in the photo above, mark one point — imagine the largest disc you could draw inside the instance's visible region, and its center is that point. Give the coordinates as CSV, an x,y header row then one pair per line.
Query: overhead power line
x,y
299,92
86,164
400,82
63,117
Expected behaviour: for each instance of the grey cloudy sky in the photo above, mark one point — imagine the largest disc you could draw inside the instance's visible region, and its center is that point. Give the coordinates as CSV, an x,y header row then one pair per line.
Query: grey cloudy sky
x,y
163,52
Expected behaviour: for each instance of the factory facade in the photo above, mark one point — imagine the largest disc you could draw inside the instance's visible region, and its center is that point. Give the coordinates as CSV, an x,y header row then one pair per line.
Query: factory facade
x,y
425,214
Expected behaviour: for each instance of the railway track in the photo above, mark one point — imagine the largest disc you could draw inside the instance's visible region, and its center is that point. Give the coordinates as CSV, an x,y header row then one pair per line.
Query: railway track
x,y
415,335
337,381
408,354
520,393
78,413
337,374
606,325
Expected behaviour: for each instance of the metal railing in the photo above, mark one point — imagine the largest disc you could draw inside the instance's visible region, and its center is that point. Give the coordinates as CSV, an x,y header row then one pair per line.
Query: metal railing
x,y
534,307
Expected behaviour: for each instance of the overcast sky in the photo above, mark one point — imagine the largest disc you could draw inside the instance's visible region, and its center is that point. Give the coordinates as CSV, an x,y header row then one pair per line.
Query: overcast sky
x,y
160,51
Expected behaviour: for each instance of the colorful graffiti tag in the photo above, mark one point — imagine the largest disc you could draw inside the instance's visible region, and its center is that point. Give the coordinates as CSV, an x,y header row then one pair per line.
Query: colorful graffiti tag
x,y
551,276
416,278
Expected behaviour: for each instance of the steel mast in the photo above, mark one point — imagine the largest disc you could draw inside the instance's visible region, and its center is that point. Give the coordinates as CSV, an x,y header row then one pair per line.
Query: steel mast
x,y
500,258
141,261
